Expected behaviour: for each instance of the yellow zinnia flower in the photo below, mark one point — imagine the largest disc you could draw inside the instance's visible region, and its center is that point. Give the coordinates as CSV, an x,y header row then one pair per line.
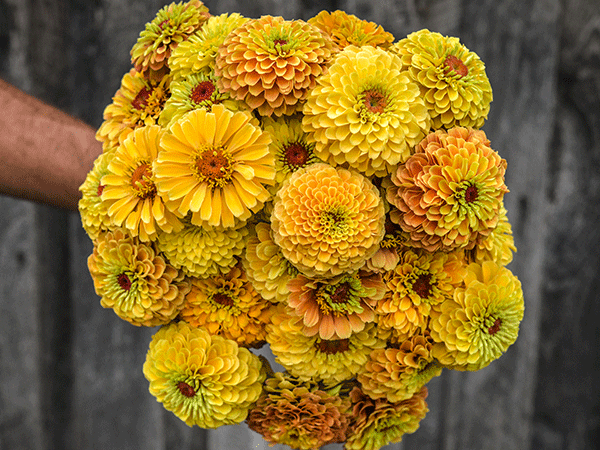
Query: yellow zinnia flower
x,y
93,211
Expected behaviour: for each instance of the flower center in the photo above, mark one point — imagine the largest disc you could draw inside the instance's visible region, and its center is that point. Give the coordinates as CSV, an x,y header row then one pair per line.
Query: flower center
x,y
185,389
374,101
296,155
279,42
471,194
422,285
124,281
141,99
142,183
333,346
214,167
495,327
100,190
340,295
223,299
334,223
202,92
453,64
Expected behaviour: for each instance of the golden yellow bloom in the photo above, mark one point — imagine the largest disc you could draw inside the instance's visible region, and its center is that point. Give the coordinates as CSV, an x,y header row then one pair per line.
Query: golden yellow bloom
x,y
327,220
450,192
228,305
299,414
419,282
215,165
271,63
138,102
337,307
93,211
135,281
365,112
482,319
173,24
198,53
498,246
347,29
265,266
203,251
204,380
377,423
398,372
453,82
330,361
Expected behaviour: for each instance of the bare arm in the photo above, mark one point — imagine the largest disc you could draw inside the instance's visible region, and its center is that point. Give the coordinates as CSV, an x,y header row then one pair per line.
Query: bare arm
x,y
45,154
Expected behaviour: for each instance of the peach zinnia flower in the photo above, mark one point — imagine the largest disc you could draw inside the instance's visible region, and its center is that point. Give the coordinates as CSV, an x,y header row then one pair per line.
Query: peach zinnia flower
x,y
327,220
215,165
271,63
335,308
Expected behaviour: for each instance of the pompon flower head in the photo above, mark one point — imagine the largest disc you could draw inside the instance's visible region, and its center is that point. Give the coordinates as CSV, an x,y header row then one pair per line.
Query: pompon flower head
x,y
93,211
228,305
194,92
198,53
299,414
327,220
289,145
310,357
338,307
481,321
215,164
266,268
173,24
138,102
418,283
377,423
365,112
204,380
203,251
135,281
130,189
271,63
498,246
398,372
346,29
453,81
450,192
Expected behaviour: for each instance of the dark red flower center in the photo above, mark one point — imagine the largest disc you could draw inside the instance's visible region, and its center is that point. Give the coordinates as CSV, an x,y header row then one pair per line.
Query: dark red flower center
x,y
279,42
333,346
100,189
211,163
296,154
495,327
375,101
340,295
422,285
471,194
202,91
453,64
141,99
223,299
185,389
141,181
124,281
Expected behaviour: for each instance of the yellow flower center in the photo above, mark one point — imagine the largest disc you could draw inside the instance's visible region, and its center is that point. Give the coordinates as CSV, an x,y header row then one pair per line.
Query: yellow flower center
x,y
454,65
374,101
334,223
202,92
148,103
141,181
332,346
214,167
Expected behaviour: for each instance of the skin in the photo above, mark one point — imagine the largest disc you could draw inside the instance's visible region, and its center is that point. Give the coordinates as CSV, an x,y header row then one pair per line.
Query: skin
x,y
45,154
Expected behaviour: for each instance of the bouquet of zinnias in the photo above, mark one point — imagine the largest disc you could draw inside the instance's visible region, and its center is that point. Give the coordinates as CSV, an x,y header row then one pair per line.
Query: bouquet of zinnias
x,y
315,186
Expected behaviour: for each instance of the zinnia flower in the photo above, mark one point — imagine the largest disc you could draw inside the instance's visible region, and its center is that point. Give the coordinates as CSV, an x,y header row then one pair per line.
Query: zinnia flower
x,y
203,251
398,372
204,380
338,307
482,319
215,165
172,25
418,283
93,211
365,112
138,102
130,189
330,361
377,423
327,220
228,305
271,63
346,29
453,82
198,53
449,193
498,246
266,267
299,414
135,281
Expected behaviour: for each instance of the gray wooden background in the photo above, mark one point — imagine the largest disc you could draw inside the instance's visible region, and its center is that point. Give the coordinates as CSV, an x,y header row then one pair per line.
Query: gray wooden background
x,y
70,371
